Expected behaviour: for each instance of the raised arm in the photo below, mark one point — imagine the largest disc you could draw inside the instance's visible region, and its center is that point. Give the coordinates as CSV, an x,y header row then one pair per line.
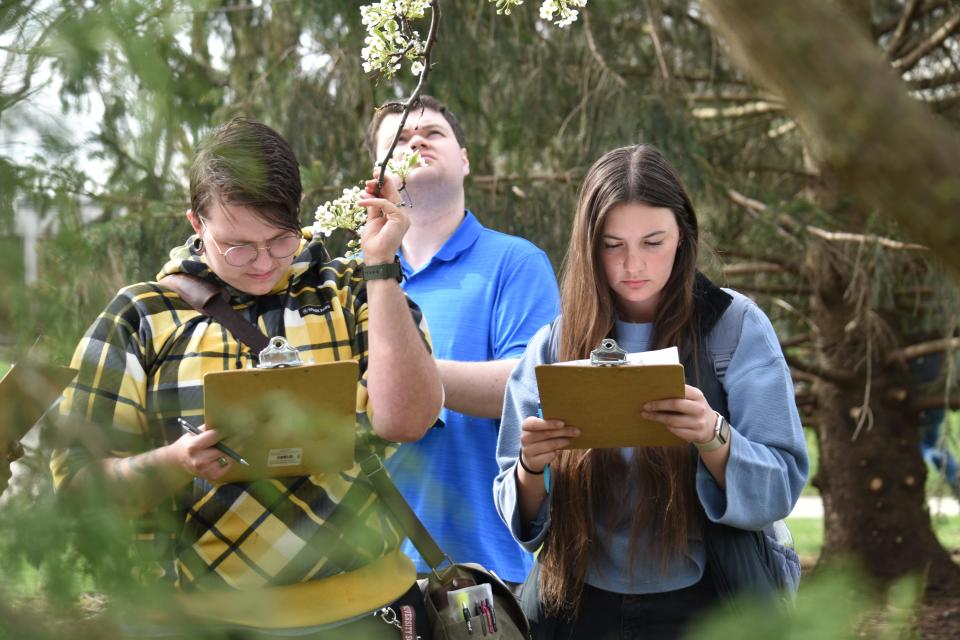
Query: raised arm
x,y
402,378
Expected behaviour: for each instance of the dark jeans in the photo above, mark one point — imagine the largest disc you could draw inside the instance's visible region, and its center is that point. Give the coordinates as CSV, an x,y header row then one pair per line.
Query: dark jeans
x,y
604,615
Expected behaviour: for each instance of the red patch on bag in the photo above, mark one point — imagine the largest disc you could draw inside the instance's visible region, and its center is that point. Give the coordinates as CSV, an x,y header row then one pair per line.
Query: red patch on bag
x,y
408,622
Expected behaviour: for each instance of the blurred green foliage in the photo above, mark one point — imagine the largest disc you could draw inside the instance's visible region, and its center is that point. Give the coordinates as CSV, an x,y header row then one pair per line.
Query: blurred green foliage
x,y
837,603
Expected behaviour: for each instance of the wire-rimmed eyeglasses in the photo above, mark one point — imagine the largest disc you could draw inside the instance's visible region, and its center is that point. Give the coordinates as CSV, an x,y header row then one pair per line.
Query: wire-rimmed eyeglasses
x,y
243,254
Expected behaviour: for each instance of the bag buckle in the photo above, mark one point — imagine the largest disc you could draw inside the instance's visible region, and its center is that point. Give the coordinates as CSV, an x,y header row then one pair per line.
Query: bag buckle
x,y
445,574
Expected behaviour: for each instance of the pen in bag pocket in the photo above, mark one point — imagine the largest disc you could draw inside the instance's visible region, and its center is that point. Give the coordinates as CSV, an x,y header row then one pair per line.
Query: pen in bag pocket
x,y
465,608
478,613
493,615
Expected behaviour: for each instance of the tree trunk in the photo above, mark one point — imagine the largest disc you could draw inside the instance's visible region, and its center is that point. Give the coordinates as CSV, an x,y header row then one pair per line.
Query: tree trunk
x,y
872,479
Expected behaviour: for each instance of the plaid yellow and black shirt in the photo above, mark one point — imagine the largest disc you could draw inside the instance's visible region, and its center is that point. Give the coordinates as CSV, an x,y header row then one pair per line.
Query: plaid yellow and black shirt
x,y
141,366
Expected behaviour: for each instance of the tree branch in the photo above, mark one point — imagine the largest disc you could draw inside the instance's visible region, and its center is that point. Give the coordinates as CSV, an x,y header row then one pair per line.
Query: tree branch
x,y
841,236
903,25
747,268
788,265
595,52
785,226
744,111
909,60
794,341
840,378
937,401
922,349
772,290
882,28
408,105
935,82
655,37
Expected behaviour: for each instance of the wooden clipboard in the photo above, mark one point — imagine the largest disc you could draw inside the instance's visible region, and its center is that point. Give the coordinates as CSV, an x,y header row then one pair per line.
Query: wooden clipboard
x,y
605,402
26,392
292,421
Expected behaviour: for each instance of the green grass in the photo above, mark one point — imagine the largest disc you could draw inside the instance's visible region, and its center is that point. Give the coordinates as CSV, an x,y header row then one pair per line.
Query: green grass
x,y
808,534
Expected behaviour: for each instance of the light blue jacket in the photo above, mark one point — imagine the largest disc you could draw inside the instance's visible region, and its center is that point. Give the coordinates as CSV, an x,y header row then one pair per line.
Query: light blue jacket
x,y
765,474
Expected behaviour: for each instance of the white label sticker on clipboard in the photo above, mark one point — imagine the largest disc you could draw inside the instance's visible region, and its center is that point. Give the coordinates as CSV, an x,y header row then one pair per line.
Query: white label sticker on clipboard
x,y
284,457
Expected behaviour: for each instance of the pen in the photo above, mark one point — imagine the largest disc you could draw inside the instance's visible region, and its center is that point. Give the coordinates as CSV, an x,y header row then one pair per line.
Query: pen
x,y
546,469
466,617
478,613
493,615
219,446
487,618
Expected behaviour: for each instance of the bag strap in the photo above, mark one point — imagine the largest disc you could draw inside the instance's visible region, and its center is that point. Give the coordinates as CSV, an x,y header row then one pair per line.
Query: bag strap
x,y
725,335
214,302
404,516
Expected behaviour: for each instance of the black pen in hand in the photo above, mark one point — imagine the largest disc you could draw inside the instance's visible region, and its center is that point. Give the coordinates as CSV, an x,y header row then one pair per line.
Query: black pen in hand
x,y
186,426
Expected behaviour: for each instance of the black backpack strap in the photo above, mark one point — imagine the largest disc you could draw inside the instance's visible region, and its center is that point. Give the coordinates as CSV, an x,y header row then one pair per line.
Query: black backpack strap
x,y
213,301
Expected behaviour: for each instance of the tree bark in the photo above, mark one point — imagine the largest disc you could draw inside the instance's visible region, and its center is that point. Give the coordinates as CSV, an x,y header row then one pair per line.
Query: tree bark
x,y
871,479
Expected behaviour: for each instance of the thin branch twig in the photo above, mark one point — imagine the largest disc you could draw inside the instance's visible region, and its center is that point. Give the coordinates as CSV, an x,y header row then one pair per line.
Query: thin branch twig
x,y
828,375
902,26
923,349
408,105
842,236
934,40
595,52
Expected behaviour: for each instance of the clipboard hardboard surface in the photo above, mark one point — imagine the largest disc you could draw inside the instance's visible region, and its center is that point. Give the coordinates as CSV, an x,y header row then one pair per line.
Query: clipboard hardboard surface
x,y
26,392
291,421
605,402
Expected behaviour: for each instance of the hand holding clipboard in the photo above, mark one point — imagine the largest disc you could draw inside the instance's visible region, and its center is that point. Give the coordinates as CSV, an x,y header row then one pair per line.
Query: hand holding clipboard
x,y
604,397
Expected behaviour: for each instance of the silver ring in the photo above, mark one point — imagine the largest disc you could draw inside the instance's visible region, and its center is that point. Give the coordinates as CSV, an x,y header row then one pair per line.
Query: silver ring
x,y
222,461
400,204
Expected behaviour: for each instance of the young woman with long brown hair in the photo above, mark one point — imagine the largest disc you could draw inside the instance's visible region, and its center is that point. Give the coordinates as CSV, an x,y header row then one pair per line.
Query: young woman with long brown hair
x,y
625,532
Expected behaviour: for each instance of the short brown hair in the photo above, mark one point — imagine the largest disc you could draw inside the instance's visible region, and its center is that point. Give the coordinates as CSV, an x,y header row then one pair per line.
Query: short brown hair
x,y
246,163
423,102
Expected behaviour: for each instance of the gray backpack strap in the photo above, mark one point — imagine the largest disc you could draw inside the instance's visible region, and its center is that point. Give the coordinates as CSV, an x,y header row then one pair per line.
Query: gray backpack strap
x,y
554,338
725,335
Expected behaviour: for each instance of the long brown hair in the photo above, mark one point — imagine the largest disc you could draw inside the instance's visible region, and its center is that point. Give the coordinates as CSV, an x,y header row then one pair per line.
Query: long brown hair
x,y
588,484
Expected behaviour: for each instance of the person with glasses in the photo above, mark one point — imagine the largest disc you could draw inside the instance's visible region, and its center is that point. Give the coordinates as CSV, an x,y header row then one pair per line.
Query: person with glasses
x,y
317,554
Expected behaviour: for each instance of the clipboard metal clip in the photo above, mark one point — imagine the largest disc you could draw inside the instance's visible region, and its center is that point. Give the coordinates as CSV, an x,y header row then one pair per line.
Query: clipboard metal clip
x,y
279,354
608,354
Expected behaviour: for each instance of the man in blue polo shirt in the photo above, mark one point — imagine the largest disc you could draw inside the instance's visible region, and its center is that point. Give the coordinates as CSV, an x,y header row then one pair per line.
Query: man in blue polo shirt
x,y
484,294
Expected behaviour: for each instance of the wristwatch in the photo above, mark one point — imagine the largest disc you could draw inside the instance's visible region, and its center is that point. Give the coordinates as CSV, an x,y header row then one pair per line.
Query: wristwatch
x,y
721,433
384,271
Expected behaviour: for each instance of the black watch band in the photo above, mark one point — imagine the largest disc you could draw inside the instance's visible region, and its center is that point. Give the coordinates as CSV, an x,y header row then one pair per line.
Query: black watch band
x,y
386,271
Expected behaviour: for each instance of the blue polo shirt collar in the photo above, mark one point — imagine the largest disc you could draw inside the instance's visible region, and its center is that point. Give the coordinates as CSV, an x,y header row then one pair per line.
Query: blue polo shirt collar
x,y
462,239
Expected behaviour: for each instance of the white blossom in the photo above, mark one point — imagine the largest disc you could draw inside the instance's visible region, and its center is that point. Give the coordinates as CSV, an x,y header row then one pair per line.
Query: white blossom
x,y
403,164
387,45
566,11
342,213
